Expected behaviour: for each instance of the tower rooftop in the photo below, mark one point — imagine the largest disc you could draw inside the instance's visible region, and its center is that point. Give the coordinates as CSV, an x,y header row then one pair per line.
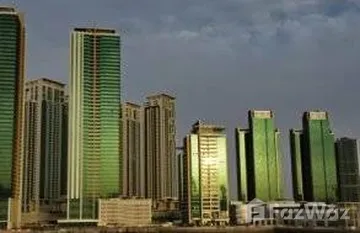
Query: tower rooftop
x,y
7,9
95,30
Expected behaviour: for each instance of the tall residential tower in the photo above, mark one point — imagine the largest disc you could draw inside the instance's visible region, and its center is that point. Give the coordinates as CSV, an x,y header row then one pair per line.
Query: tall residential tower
x,y
12,63
205,197
133,150
259,162
160,157
313,159
45,134
94,160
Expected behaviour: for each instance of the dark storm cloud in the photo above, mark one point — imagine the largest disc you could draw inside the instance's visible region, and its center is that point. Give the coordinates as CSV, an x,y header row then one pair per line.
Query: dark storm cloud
x,y
220,57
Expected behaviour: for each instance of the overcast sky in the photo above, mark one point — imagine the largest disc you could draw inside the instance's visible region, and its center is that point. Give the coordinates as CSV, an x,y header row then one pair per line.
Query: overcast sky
x,y
219,57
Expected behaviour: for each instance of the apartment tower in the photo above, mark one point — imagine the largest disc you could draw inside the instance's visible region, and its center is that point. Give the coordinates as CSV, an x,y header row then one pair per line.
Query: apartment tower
x,y
160,148
94,159
133,154
205,197
12,65
44,138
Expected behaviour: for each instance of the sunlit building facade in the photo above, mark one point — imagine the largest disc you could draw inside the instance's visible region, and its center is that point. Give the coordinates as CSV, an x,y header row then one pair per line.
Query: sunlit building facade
x,y
259,160
129,212
94,159
317,161
205,197
12,60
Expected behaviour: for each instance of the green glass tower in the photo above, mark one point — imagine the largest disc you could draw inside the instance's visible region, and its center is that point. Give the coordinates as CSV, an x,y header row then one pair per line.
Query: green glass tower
x,y
259,164
12,56
313,159
205,191
94,160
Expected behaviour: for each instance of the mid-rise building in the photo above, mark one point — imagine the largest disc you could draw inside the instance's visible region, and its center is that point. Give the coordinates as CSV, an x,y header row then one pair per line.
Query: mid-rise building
x,y
12,60
45,134
317,180
133,212
348,169
133,150
259,161
160,156
94,158
205,197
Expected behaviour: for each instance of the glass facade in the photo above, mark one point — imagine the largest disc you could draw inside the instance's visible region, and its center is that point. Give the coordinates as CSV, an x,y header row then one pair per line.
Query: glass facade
x,y
348,169
318,162
96,96
320,184
259,164
11,108
194,178
206,176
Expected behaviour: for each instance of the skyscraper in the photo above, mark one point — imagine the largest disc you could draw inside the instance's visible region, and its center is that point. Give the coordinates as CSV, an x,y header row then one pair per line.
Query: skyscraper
x,y
12,60
133,150
348,169
318,181
94,159
160,147
43,155
205,197
259,163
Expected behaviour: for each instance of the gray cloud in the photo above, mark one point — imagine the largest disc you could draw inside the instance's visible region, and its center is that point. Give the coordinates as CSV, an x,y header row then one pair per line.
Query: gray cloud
x,y
220,58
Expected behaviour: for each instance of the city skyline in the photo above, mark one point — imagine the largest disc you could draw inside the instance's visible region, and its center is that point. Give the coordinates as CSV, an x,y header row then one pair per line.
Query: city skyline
x,y
234,49
89,103
342,122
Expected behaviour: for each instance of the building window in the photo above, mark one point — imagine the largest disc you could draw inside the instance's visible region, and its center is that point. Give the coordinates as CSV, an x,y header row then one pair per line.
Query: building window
x,y
49,92
36,93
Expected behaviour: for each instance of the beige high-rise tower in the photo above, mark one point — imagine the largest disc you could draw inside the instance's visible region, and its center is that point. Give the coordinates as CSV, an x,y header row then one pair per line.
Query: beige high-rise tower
x,y
45,135
133,168
160,168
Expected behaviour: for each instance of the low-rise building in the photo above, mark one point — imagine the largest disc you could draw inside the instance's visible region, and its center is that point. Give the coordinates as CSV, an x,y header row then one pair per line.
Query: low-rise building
x,y
237,213
124,212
